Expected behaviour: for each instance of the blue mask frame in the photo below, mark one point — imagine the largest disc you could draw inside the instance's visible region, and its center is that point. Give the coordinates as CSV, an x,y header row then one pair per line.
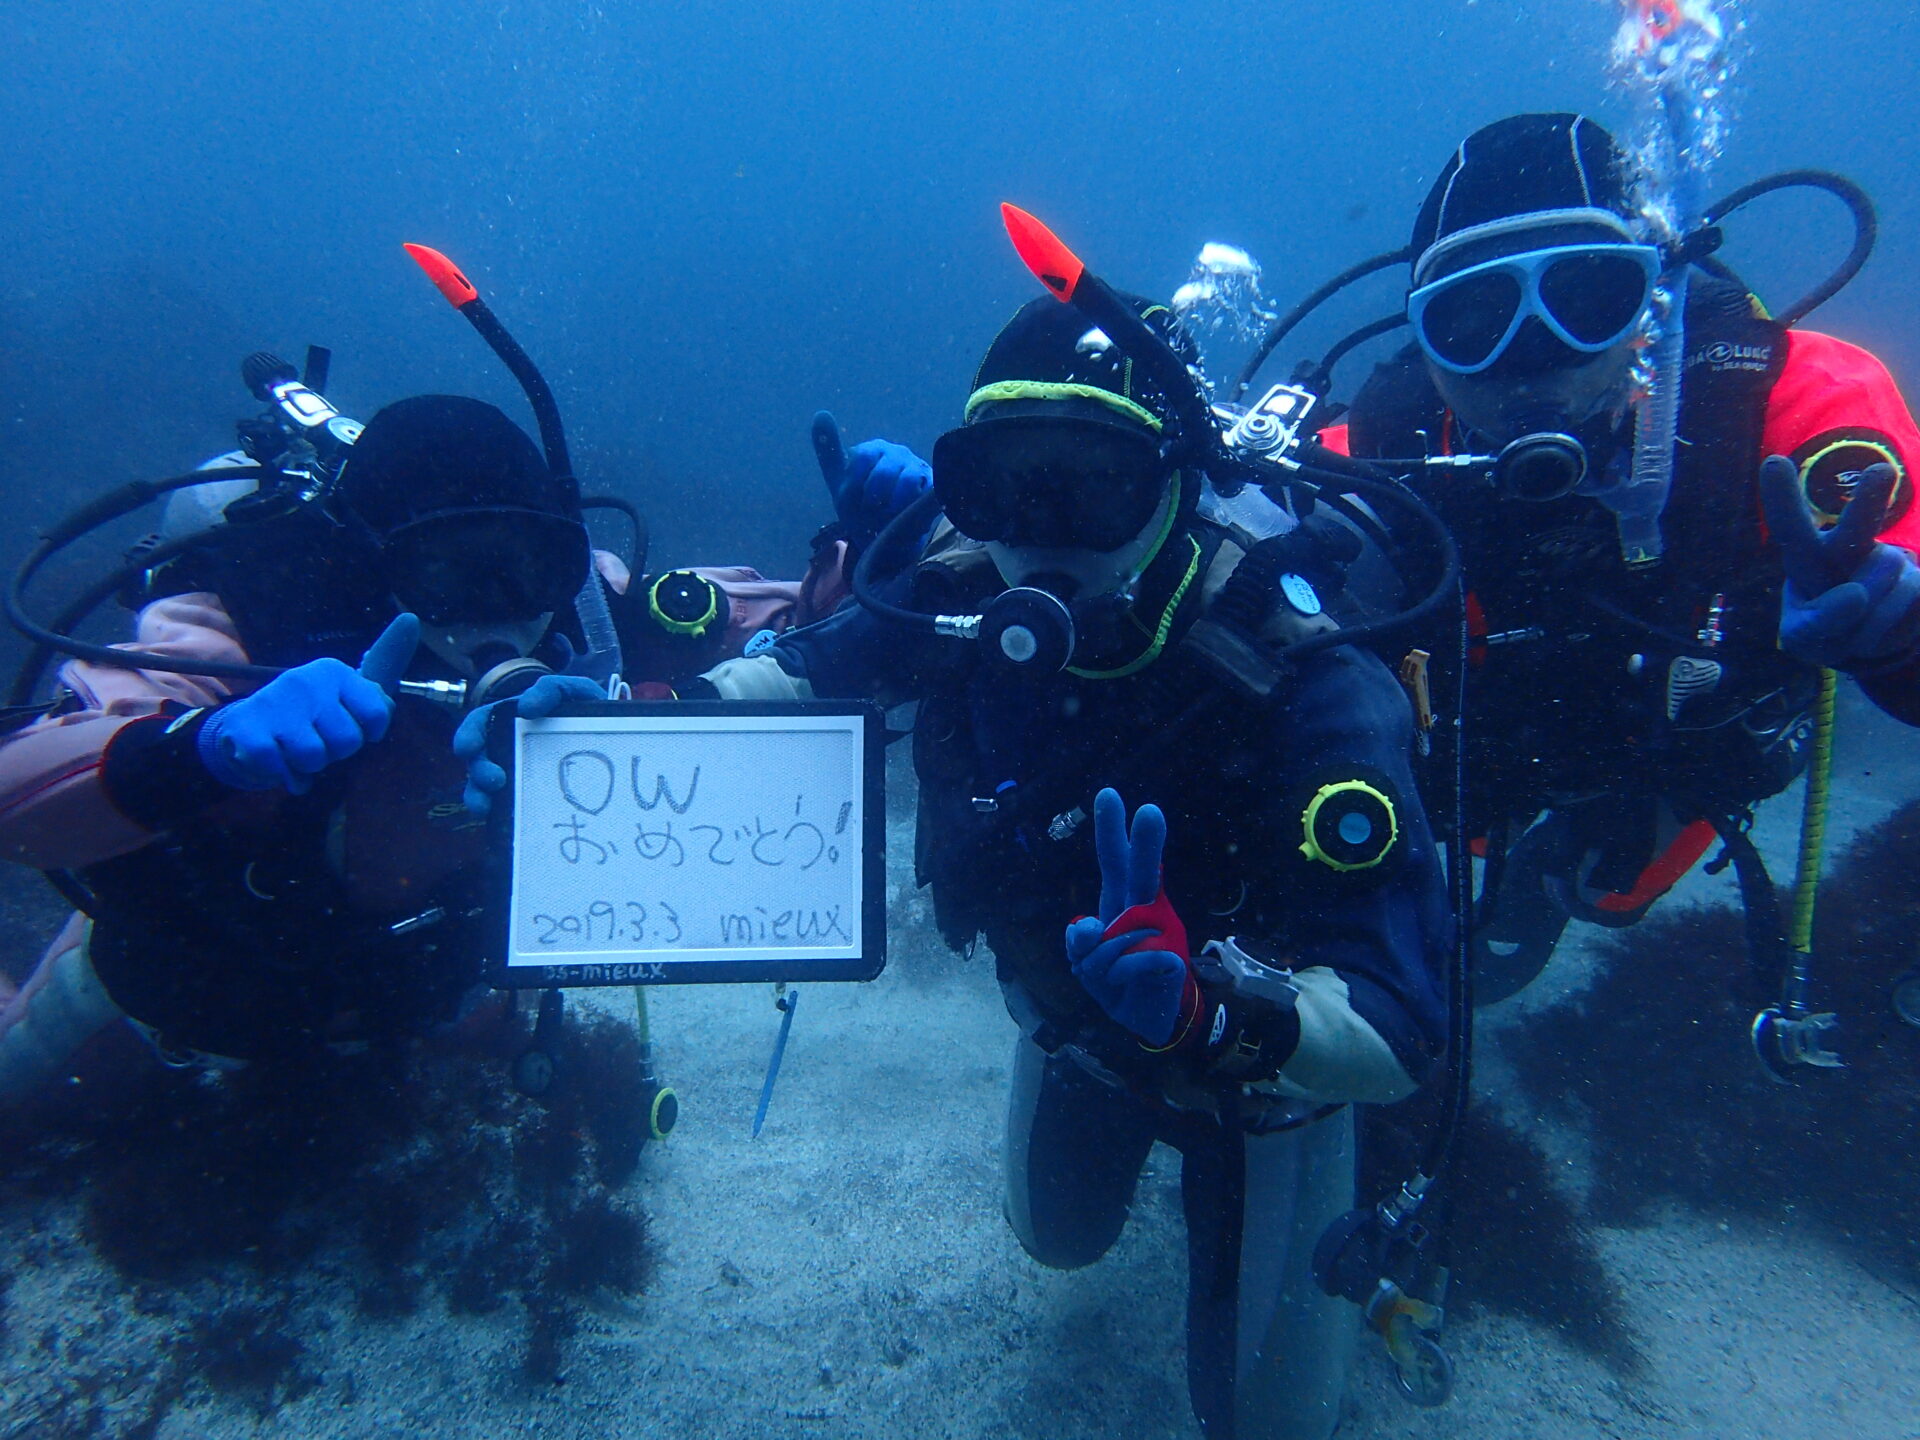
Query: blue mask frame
x,y
1527,268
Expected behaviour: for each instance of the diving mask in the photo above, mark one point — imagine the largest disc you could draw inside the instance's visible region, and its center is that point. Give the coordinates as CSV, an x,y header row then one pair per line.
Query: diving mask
x,y
1590,297
485,566
1050,481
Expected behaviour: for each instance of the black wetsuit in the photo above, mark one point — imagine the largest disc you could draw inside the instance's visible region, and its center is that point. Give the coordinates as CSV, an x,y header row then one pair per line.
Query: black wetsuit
x,y
998,760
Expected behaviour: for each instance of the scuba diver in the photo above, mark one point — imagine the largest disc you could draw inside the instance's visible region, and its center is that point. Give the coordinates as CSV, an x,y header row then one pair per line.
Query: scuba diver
x,y
687,621
1262,945
1625,712
262,869
254,805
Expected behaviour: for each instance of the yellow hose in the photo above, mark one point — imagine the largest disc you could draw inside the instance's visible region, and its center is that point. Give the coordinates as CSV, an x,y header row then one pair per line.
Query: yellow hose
x,y
642,1022
1813,819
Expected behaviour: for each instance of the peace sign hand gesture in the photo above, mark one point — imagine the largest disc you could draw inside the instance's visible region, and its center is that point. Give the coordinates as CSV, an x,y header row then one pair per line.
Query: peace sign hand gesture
x,y
1849,601
1132,958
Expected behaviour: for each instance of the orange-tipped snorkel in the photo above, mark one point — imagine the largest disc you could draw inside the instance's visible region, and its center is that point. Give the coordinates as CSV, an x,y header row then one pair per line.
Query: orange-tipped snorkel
x,y
601,659
1659,20
1069,281
464,296
1043,252
1195,439
444,274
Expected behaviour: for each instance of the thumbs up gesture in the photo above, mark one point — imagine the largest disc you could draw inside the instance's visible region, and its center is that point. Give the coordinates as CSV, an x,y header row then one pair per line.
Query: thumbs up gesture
x,y
313,716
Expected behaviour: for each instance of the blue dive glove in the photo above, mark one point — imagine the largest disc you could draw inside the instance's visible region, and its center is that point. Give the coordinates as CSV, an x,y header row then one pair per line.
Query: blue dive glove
x,y
1132,958
1850,602
314,715
547,694
873,482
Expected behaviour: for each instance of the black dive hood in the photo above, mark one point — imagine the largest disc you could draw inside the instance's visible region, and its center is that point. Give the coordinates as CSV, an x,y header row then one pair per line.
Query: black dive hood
x,y
1033,630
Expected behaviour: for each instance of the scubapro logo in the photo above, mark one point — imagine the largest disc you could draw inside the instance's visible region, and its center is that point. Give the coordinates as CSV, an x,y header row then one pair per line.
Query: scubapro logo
x,y
1725,355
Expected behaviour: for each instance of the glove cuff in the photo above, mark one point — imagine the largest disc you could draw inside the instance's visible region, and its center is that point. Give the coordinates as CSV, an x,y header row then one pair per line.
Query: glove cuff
x,y
1183,1023
214,761
154,771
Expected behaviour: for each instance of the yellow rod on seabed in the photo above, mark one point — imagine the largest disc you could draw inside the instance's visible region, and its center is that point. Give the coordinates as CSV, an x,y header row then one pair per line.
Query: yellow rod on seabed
x,y
641,1022
663,1102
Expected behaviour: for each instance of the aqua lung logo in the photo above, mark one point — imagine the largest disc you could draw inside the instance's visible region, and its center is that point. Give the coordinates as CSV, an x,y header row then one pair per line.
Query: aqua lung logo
x,y
1724,355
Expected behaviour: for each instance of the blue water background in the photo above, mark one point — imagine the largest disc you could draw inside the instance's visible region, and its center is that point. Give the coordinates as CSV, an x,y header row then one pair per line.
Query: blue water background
x,y
708,219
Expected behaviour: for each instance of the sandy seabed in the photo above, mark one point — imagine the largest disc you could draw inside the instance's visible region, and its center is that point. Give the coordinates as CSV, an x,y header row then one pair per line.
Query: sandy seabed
x,y
849,1273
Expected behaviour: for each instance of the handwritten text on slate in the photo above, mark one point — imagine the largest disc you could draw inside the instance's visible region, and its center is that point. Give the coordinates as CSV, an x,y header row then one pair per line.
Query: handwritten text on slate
x,y
678,842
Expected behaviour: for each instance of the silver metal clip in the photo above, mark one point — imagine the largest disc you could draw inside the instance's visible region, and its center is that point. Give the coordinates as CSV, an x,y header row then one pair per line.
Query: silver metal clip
x,y
1247,976
447,692
1063,825
1714,631
417,922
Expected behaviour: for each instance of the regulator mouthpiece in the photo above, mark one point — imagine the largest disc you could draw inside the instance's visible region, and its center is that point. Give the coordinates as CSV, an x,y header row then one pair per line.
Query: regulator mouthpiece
x,y
507,680
1540,466
1028,630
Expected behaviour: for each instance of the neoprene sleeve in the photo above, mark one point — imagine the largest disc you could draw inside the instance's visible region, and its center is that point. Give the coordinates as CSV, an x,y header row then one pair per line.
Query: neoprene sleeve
x,y
152,771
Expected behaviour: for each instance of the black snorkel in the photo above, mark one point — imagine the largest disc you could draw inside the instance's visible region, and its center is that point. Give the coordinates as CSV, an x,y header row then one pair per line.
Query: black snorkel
x,y
602,658
464,296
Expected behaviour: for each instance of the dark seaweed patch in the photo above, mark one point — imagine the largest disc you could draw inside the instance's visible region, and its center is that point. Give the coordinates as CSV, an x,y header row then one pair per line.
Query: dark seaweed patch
x,y
1655,1059
233,1208
251,1351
